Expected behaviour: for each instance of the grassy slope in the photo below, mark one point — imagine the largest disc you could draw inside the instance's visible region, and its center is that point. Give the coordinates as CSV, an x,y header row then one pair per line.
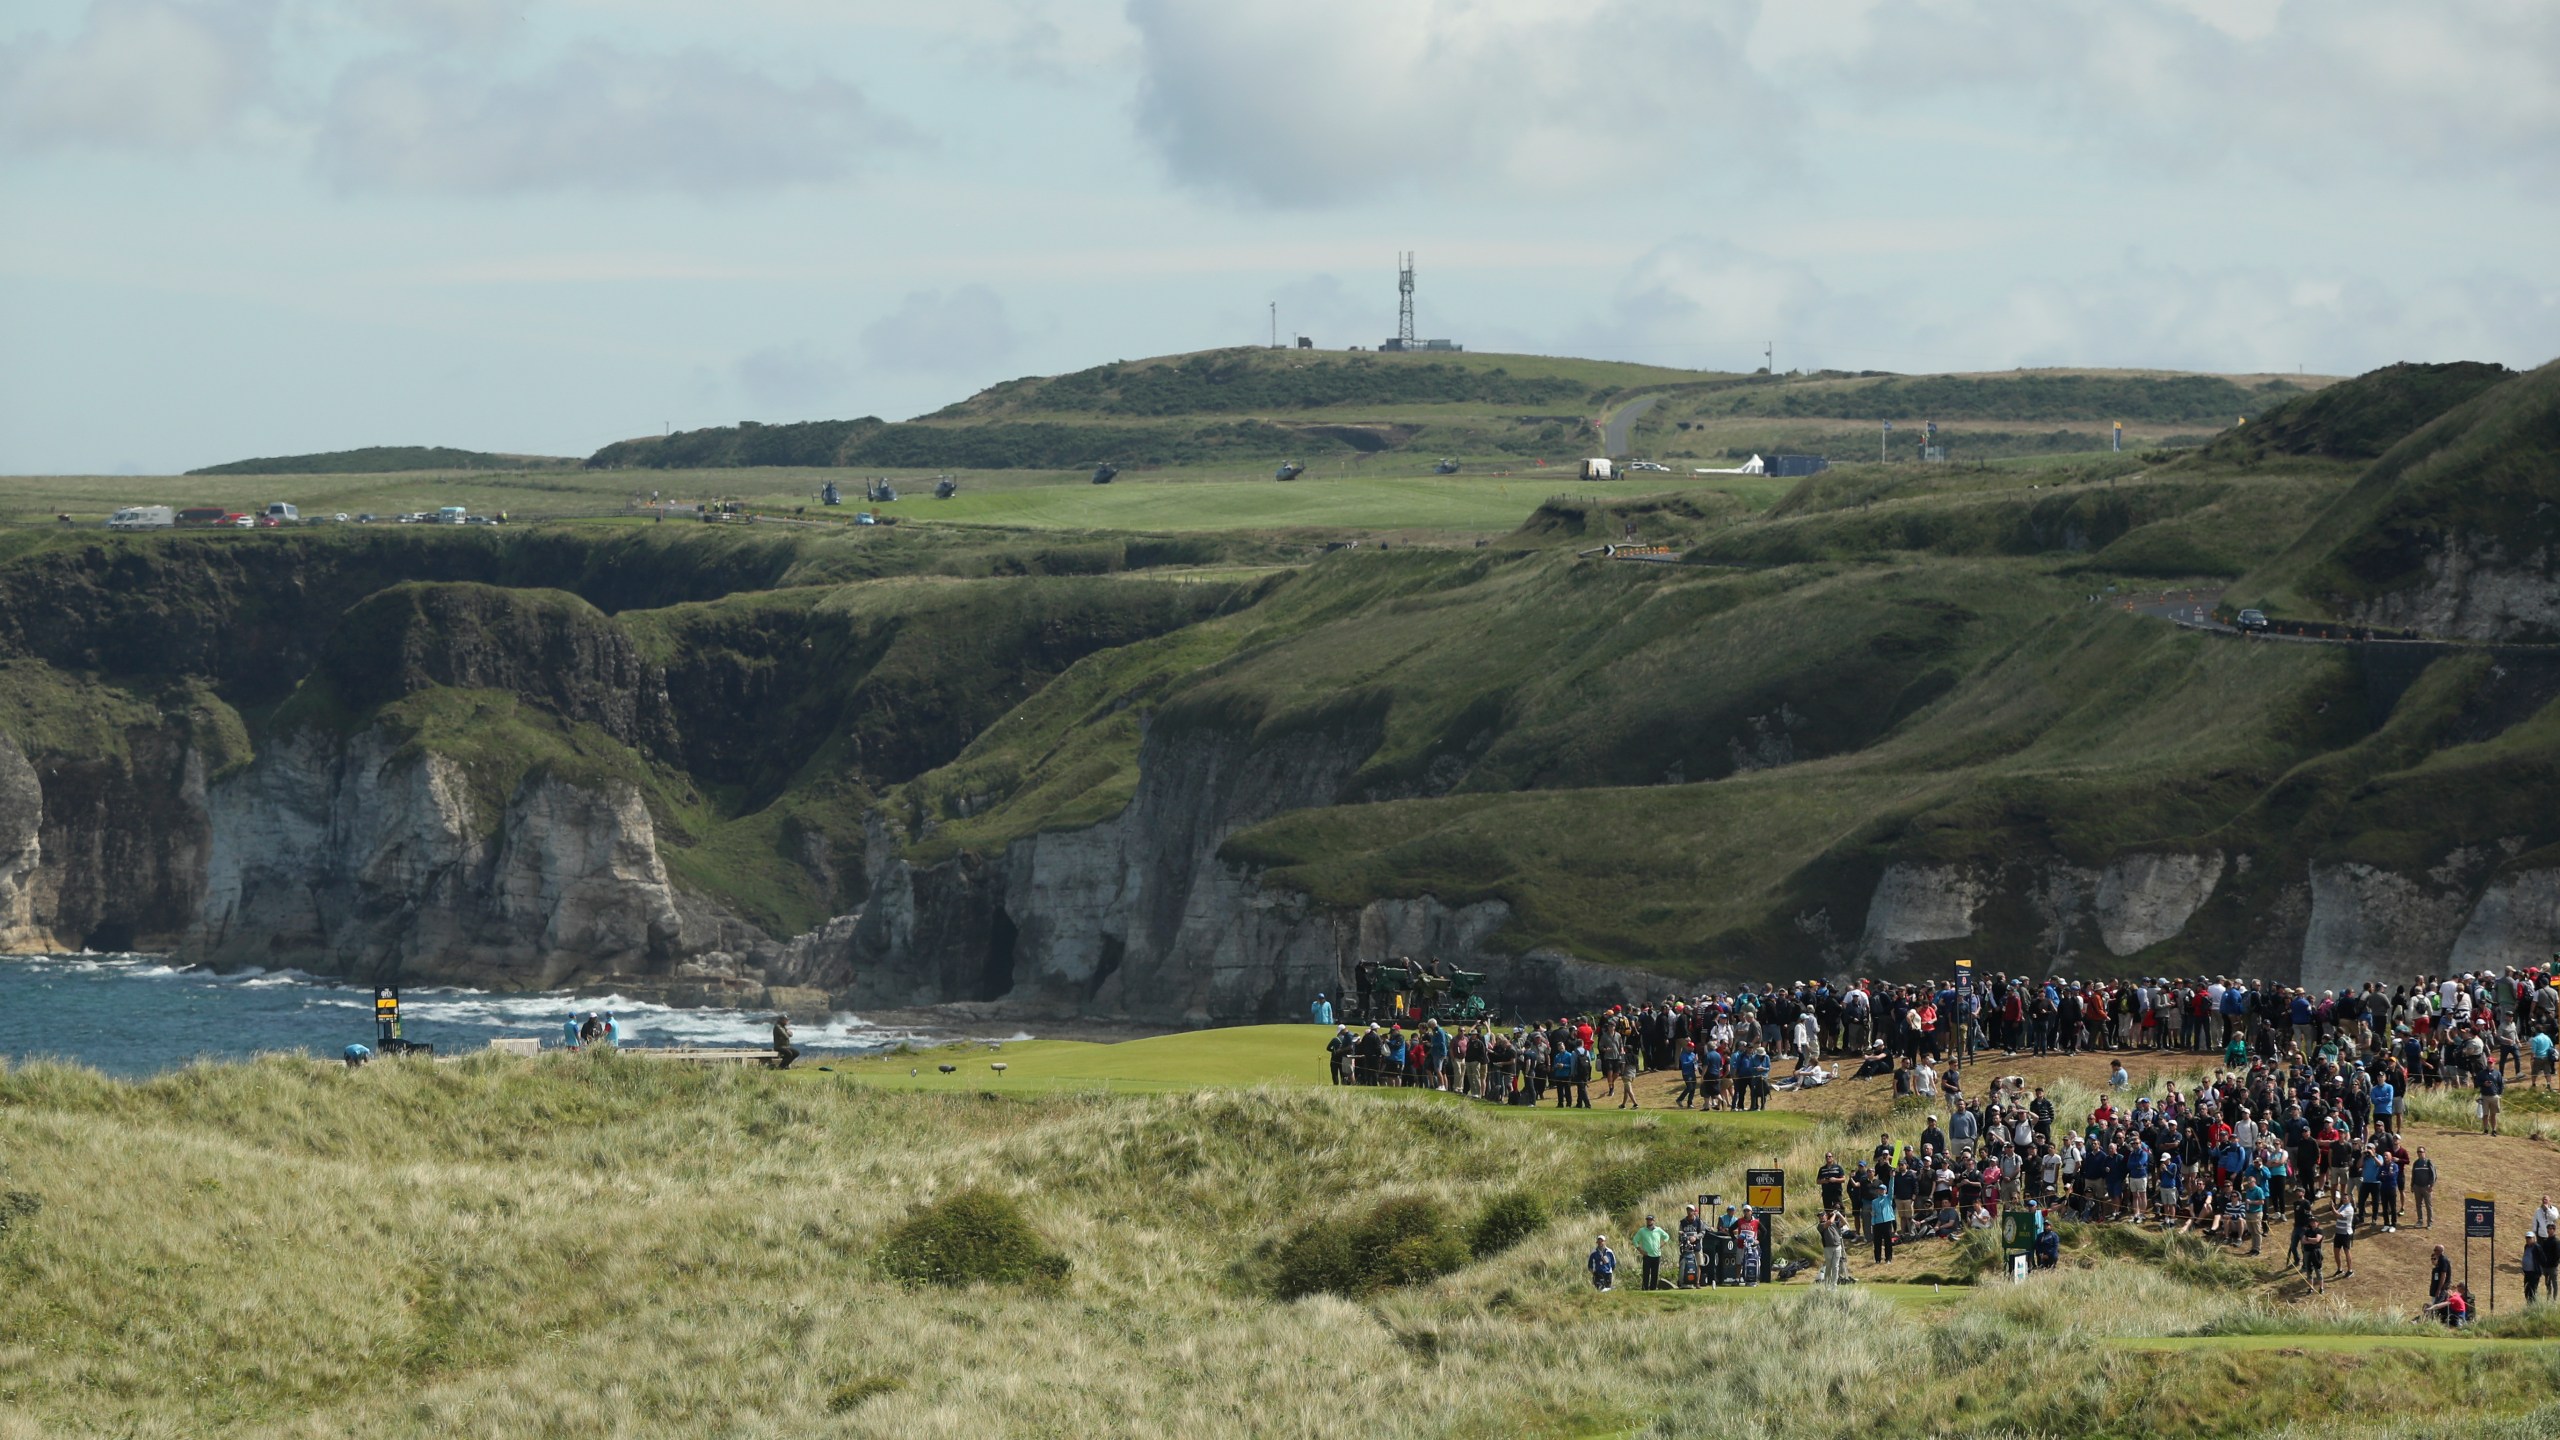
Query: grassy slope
x,y
2481,472
592,1247
1553,699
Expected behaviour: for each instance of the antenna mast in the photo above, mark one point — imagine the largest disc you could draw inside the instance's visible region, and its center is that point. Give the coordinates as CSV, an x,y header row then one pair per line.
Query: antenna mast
x,y
1404,300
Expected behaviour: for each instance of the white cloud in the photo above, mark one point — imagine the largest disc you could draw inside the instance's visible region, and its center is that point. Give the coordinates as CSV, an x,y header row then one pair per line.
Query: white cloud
x,y
595,119
158,74
957,331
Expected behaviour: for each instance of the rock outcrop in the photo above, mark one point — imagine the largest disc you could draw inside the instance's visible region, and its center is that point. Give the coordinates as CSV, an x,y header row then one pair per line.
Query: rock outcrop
x,y
1138,916
357,857
119,859
2474,588
21,850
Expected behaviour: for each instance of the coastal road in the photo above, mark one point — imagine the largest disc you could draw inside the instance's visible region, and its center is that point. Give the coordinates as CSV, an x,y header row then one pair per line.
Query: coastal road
x,y
1615,428
2190,608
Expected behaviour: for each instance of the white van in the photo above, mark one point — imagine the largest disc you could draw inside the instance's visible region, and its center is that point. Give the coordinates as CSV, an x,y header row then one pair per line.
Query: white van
x,y
143,517
452,515
282,514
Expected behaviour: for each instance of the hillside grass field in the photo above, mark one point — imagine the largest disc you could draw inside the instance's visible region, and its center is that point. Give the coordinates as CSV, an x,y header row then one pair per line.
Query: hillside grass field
x,y
1223,420
1369,495
602,1245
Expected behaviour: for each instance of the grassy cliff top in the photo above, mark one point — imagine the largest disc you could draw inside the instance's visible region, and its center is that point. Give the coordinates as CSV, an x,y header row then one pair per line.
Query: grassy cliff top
x,y
2479,473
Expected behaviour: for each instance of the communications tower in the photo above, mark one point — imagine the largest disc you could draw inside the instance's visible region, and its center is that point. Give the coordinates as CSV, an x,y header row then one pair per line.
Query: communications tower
x,y
1404,301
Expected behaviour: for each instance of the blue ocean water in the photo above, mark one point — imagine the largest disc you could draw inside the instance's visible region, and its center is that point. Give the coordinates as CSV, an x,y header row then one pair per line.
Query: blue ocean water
x,y
141,1014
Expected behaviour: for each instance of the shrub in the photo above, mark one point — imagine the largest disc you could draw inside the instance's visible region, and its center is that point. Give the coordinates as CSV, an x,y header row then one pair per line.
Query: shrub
x,y
1398,1242
1625,1188
1506,1220
869,1387
2542,1322
17,1206
972,1237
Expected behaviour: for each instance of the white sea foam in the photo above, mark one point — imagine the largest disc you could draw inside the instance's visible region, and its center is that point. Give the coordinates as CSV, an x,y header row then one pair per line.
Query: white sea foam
x,y
451,1017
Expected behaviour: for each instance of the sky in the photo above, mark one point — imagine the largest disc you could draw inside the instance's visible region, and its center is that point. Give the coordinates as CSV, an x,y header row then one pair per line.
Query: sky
x,y
260,227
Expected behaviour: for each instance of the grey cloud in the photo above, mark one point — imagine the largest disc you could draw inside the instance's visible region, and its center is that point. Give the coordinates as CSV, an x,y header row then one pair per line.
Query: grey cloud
x,y
2466,86
1709,303
1312,102
449,22
791,377
1323,308
960,331
152,74
595,119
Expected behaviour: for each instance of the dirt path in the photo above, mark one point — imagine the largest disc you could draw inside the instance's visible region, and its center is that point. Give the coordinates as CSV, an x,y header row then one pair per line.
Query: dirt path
x,y
2390,1269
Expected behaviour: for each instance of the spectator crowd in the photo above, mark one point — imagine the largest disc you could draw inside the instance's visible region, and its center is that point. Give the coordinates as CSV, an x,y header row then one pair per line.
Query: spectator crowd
x,y
2296,1137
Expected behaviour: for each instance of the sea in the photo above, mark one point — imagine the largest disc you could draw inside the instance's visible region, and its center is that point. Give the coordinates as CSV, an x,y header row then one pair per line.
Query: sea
x,y
137,1015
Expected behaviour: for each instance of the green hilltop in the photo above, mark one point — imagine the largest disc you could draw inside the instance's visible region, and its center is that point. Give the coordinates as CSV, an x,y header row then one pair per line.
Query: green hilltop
x,y
1258,404
382,460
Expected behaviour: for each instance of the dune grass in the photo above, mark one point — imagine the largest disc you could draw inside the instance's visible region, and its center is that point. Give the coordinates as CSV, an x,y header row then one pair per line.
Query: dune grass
x,y
597,1246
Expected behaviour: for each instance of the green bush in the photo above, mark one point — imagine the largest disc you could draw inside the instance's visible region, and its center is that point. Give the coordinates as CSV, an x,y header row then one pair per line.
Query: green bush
x,y
2541,1322
1506,1220
1398,1242
18,1206
973,1237
869,1387
1625,1188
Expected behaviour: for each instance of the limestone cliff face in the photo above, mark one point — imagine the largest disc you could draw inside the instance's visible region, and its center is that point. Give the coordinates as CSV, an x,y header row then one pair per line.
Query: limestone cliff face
x,y
1137,916
2475,588
351,857
2338,924
2082,916
21,850
118,859
2468,913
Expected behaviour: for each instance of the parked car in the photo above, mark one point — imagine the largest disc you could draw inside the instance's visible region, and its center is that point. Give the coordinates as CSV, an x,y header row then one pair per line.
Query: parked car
x,y
240,522
1653,466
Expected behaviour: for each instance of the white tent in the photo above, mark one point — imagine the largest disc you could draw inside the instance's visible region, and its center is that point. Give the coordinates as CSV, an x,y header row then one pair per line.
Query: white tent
x,y
1753,466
